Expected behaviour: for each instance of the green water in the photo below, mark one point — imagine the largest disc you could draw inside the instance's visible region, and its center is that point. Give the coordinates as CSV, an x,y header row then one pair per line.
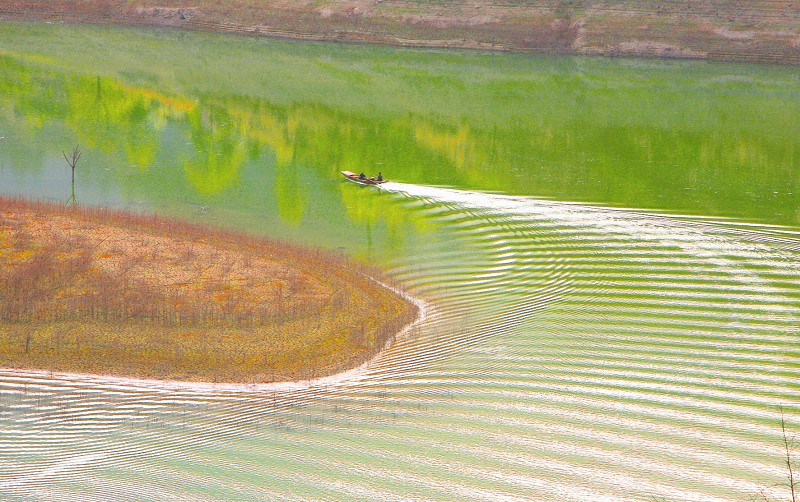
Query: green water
x,y
257,130
574,349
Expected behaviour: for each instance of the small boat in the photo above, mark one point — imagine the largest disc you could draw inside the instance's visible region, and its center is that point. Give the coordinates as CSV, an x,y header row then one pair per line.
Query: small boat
x,y
355,178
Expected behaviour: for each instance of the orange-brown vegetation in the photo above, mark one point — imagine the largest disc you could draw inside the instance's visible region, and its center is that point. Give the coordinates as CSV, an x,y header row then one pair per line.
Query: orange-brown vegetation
x,y
756,30
98,291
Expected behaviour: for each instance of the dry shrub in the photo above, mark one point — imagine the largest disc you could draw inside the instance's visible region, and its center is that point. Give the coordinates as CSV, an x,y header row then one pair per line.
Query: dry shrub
x,y
91,289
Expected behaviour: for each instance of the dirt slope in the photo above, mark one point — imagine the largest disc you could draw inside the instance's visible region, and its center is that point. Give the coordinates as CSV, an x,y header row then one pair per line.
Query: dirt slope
x,y
758,30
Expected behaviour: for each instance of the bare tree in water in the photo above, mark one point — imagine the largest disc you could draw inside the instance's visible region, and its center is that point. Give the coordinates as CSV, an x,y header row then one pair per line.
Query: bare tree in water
x,y
790,461
72,161
789,445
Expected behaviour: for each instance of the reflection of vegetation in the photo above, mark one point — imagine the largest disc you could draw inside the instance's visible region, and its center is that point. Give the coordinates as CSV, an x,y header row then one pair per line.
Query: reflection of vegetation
x,y
220,149
108,292
292,198
700,139
109,116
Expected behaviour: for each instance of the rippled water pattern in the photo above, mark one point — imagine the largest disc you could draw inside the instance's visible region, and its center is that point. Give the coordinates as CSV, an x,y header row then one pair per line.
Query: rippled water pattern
x,y
571,353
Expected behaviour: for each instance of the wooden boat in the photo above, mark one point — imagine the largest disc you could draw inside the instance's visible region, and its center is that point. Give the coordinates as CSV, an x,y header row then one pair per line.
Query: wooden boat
x,y
355,178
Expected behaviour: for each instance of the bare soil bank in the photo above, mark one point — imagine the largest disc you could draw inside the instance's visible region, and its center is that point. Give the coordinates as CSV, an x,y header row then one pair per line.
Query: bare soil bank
x,y
734,30
109,292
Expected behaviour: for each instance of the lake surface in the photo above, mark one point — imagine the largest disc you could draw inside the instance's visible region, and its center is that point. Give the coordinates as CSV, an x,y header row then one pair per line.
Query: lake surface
x,y
610,249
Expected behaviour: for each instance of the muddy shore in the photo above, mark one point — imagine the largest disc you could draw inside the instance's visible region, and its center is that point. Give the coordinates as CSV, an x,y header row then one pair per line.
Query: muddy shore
x,y
722,30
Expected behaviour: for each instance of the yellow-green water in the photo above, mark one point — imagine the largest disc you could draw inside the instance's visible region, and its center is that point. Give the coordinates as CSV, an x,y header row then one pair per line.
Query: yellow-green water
x,y
610,249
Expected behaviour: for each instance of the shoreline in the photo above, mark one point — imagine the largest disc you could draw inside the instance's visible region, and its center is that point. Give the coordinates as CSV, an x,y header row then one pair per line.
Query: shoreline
x,y
753,34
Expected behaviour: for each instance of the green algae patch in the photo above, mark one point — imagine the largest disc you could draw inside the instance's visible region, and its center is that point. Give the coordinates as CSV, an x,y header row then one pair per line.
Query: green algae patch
x,y
91,290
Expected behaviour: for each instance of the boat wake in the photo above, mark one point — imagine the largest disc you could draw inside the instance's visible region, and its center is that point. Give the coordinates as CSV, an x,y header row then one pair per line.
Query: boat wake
x,y
574,353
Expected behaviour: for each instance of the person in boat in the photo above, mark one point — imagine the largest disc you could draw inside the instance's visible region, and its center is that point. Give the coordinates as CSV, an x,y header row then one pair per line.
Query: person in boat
x,y
380,176
362,176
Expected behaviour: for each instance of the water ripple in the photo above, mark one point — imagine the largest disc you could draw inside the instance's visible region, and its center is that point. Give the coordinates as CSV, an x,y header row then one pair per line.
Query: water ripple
x,y
569,353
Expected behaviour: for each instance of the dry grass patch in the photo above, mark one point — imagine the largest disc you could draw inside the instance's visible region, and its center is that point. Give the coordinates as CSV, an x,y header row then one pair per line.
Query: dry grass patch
x,y
98,291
